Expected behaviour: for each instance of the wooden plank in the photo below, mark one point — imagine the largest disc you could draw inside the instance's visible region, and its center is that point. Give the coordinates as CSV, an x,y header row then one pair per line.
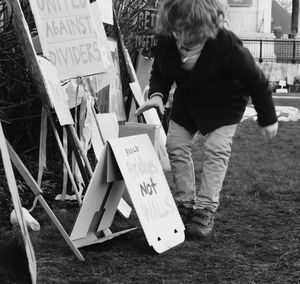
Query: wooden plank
x,y
12,185
37,191
64,156
83,171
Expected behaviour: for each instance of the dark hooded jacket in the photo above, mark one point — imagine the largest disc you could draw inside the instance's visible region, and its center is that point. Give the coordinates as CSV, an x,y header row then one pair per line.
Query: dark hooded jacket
x,y
215,93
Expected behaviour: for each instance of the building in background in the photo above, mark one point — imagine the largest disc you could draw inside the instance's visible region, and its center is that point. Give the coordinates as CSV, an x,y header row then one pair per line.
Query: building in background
x,y
281,19
260,18
250,18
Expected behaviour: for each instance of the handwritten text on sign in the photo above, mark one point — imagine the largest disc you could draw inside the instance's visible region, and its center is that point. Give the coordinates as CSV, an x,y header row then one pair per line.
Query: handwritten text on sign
x,y
153,201
68,37
149,191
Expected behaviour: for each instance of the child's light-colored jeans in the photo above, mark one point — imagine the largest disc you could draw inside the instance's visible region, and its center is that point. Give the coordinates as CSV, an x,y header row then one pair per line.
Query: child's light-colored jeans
x,y
216,153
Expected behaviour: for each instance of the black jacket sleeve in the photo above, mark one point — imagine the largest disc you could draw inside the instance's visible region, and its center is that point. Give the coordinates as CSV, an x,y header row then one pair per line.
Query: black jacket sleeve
x,y
158,82
248,73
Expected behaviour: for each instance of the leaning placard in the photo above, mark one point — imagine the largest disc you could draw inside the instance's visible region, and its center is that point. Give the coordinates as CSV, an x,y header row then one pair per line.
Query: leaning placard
x,y
67,34
149,191
129,162
56,93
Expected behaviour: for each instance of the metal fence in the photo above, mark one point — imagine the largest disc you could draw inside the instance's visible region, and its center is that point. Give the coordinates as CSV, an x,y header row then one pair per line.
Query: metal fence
x,y
277,50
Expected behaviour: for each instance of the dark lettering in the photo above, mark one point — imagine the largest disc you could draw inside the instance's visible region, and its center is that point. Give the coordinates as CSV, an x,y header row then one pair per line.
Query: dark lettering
x,y
148,188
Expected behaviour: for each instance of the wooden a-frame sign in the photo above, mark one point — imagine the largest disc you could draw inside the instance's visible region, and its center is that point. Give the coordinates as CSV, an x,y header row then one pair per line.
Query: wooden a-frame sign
x,y
133,163
99,206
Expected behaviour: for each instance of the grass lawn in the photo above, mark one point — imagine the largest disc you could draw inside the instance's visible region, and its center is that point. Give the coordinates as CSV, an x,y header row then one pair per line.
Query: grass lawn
x,y
256,238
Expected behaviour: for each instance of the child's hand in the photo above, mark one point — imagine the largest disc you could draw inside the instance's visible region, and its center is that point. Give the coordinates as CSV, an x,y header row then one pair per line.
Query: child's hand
x,y
270,131
155,101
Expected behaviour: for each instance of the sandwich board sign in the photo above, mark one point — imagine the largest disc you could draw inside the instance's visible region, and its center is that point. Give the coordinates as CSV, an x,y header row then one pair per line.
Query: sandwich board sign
x,y
99,205
133,163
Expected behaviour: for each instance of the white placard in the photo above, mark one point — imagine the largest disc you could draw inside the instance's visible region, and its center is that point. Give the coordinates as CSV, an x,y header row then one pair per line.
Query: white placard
x,y
149,191
116,99
106,8
67,34
151,117
129,162
108,125
56,93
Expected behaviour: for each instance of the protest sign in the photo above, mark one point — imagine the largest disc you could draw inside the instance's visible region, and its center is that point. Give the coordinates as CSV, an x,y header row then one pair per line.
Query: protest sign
x,y
68,38
145,37
152,117
149,191
106,8
129,162
116,99
56,93
100,204
109,129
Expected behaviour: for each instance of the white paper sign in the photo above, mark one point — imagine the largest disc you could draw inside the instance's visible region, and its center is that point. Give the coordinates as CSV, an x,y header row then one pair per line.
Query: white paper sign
x,y
67,33
116,99
149,191
101,35
108,125
56,93
151,117
106,9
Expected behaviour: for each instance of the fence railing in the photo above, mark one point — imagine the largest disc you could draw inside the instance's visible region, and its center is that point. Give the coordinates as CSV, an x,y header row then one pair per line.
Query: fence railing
x,y
276,50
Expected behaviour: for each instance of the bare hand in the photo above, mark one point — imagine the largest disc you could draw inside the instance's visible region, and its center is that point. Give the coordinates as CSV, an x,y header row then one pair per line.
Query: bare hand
x,y
270,131
154,102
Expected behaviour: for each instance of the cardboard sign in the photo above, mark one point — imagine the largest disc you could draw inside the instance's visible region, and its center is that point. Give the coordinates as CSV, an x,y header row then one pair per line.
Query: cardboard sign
x,y
145,38
151,117
149,191
99,205
56,93
106,8
17,206
108,124
67,34
116,99
135,128
131,162
143,71
101,35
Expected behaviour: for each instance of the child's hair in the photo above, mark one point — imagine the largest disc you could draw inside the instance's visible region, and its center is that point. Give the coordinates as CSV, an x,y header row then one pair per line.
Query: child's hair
x,y
203,17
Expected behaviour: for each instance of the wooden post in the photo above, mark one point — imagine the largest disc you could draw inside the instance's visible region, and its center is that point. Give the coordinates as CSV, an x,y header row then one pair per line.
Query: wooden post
x,y
37,192
64,156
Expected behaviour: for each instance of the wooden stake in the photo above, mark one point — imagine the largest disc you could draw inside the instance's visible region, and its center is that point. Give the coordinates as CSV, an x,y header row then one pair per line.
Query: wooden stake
x,y
37,192
63,154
